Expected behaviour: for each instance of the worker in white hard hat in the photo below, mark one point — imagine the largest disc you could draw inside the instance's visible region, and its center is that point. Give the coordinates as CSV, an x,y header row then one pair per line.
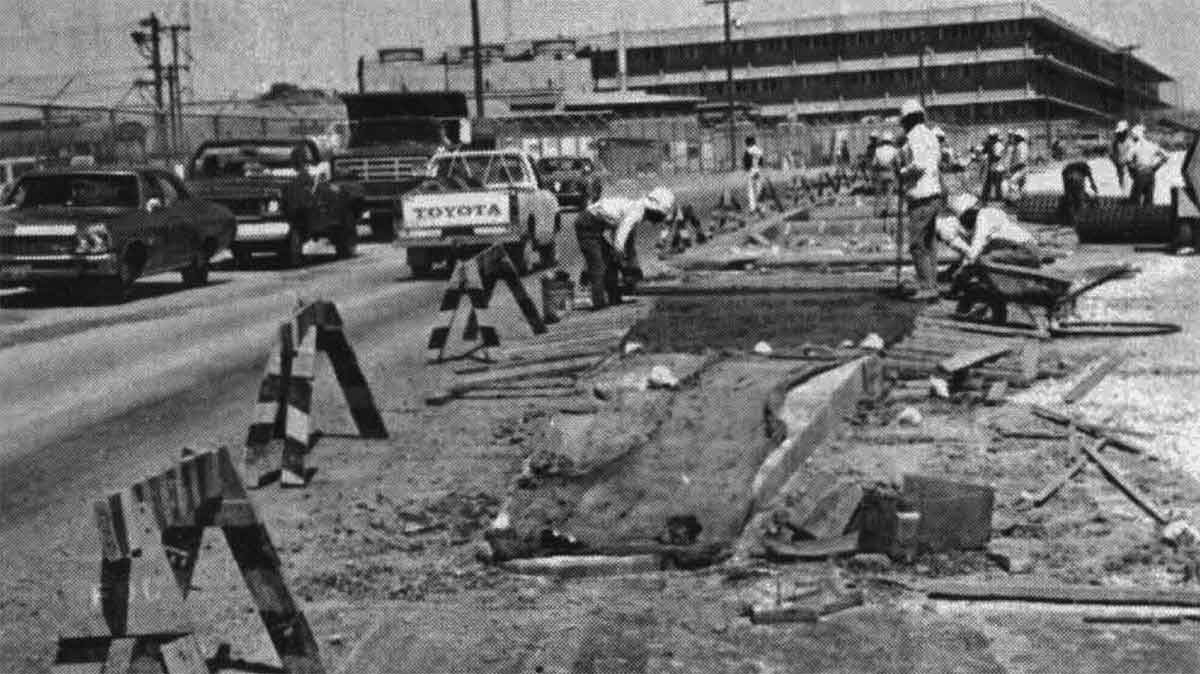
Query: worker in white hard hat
x,y
1017,162
921,180
993,166
607,234
1145,158
883,169
982,234
1118,151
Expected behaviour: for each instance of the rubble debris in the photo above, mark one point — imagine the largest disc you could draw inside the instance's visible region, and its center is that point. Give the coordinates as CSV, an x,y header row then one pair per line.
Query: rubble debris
x,y
661,377
939,387
583,566
966,359
1011,555
870,562
873,342
954,515
909,416
996,393
763,349
1180,533
773,614
1116,437
1077,465
833,513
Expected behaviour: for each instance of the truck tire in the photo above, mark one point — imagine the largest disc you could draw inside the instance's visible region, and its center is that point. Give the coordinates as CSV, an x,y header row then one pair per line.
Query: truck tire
x,y
242,258
382,228
291,249
196,273
420,261
345,239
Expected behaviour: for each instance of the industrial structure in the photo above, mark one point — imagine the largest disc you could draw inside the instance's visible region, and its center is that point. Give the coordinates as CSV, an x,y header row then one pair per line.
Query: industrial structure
x,y
971,65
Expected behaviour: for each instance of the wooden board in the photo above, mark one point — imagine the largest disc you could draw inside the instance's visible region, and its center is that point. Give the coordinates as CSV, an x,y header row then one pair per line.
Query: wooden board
x,y
1093,378
962,360
1063,594
1121,483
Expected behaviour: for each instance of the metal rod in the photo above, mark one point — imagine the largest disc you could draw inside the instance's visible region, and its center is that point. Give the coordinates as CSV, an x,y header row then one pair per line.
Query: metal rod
x,y
729,87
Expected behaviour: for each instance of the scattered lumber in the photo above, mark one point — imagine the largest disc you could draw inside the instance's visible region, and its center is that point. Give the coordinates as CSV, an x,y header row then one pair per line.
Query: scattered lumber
x,y
982,328
790,612
583,566
963,360
505,394
1131,491
840,546
1077,466
522,371
1097,374
1113,435
1140,618
1062,594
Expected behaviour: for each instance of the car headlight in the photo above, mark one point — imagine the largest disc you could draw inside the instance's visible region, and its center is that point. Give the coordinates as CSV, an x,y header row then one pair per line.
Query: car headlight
x,y
93,240
272,206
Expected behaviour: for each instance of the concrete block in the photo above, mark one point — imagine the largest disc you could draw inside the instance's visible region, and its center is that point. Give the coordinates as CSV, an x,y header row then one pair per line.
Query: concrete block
x,y
954,515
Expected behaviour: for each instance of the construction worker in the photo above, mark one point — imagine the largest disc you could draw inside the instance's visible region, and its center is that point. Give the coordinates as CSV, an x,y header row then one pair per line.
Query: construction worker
x,y
982,234
1077,177
1144,159
920,176
752,160
883,166
948,161
1017,162
607,259
993,167
1118,151
866,162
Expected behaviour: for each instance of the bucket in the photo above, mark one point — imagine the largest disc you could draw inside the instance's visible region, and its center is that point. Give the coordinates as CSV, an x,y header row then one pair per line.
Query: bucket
x,y
558,291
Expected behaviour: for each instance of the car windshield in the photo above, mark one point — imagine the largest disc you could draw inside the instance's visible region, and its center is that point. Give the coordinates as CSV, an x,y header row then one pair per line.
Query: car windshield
x,y
489,169
553,164
74,190
241,161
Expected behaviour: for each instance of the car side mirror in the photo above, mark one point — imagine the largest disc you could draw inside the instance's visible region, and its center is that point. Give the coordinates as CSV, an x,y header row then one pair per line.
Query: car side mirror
x,y
153,204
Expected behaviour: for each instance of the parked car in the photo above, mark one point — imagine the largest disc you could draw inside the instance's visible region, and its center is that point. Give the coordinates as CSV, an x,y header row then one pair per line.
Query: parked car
x,y
281,193
101,229
475,199
575,181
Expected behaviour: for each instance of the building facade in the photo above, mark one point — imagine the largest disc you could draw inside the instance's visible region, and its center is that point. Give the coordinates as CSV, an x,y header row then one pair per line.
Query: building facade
x,y
972,65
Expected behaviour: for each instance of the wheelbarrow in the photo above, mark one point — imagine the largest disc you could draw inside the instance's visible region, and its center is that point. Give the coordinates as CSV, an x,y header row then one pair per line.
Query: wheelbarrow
x,y
1048,298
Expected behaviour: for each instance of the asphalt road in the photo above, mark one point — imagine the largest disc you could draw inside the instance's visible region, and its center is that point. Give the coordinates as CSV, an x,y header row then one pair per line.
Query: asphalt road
x,y
95,396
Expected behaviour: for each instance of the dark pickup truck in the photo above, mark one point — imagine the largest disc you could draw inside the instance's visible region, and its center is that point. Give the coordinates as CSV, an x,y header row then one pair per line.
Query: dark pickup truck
x,y
575,181
102,229
280,191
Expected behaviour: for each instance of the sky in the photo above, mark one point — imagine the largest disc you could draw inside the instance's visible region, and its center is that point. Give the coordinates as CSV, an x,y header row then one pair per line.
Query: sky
x,y
240,46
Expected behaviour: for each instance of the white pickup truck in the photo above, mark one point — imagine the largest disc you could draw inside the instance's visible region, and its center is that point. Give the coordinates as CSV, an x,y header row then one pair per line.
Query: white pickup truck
x,y
474,199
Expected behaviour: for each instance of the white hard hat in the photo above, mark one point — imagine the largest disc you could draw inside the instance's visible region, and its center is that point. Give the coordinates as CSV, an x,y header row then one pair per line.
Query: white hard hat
x,y
887,137
911,107
937,131
873,135
961,203
1138,131
660,199
1122,127
993,132
1022,134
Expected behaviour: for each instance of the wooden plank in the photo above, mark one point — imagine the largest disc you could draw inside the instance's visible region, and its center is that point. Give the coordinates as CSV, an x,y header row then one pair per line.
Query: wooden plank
x,y
1113,436
1062,594
535,383
963,360
982,328
840,546
1102,369
539,360
522,372
1131,491
1077,465
500,394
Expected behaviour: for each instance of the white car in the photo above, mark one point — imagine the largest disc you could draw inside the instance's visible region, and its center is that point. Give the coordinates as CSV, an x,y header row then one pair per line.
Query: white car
x,y
474,199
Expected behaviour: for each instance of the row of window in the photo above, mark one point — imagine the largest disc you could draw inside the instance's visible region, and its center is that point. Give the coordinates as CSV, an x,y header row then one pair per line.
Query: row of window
x,y
902,77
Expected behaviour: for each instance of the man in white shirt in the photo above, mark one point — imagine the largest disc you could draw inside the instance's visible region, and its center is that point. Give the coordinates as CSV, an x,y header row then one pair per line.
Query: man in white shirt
x,y
986,233
752,163
1144,159
884,165
920,162
1118,151
607,234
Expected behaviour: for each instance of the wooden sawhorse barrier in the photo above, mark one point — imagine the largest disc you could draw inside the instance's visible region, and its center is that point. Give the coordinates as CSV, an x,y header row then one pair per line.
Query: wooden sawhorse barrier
x,y
475,279
284,408
150,536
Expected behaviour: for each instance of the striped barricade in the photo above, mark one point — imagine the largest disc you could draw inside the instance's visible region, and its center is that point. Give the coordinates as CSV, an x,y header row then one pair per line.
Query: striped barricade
x,y
281,433
475,279
150,538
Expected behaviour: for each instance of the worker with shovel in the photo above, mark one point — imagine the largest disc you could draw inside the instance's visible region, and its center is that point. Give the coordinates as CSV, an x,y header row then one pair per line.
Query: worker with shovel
x,y
607,234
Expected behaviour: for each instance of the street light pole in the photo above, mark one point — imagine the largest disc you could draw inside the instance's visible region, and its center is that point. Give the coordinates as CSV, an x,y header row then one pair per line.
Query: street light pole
x,y
729,86
475,40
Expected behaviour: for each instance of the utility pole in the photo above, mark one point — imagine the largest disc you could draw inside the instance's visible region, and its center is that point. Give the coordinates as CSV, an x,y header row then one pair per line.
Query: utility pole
x,y
733,165
150,46
176,88
475,41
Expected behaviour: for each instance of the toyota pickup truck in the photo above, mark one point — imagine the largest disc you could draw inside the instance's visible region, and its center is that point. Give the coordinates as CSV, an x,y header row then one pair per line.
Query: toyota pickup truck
x,y
475,199
280,191
99,230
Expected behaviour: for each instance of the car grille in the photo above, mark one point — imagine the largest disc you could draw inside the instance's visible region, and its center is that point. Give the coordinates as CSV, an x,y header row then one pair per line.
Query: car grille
x,y
382,169
37,245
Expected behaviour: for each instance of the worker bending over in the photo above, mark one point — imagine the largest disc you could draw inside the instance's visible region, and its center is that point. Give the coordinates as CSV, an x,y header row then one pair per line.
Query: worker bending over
x,y
920,175
986,234
1077,178
607,234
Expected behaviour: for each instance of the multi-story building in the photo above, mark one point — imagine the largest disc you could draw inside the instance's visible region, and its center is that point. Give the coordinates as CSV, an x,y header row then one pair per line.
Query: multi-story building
x,y
972,65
